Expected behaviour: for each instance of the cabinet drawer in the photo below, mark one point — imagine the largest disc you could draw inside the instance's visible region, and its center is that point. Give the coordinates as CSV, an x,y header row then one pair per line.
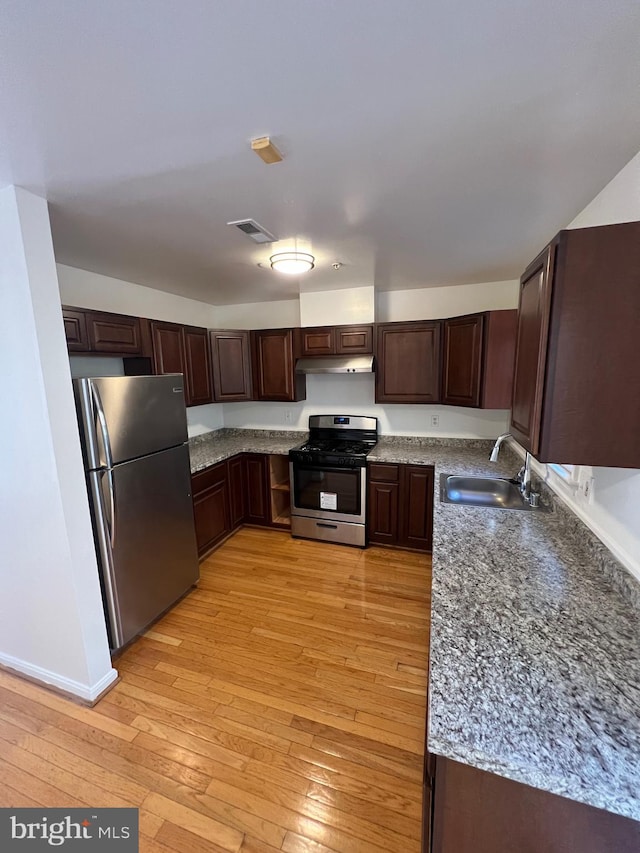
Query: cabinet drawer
x,y
207,478
383,472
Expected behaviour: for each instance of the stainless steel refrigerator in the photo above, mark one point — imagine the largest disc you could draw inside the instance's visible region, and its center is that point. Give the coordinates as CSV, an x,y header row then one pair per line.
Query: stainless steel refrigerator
x,y
134,440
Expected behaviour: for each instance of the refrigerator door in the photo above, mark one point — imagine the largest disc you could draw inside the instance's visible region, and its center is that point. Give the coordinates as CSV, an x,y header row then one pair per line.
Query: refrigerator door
x,y
125,417
145,534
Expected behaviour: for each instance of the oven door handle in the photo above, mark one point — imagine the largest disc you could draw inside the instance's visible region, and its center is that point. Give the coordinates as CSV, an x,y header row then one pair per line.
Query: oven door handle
x,y
303,466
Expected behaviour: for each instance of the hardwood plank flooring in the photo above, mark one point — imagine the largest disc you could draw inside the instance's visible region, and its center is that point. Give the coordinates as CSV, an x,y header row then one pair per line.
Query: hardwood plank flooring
x,y
279,706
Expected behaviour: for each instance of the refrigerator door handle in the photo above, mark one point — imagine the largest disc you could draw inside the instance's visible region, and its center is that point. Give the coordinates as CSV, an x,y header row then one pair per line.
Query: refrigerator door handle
x,y
111,521
104,535
102,422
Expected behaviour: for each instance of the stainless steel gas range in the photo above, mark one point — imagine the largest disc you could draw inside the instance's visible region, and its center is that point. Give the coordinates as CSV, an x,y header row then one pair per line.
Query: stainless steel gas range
x,y
329,479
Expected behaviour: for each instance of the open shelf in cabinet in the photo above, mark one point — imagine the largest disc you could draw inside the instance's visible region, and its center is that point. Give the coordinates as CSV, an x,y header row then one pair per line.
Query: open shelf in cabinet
x,y
280,490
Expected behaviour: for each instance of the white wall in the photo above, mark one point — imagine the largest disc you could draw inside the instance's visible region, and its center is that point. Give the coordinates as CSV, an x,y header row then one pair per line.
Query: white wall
x,y
343,306
103,293
435,303
619,201
613,509
259,315
342,394
202,419
52,624
348,306
355,394
86,365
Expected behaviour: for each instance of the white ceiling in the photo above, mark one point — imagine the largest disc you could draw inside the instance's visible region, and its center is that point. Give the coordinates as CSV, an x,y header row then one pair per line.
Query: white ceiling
x,y
425,143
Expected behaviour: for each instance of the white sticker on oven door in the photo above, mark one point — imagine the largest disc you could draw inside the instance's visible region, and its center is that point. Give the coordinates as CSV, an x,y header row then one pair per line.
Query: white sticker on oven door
x,y
328,500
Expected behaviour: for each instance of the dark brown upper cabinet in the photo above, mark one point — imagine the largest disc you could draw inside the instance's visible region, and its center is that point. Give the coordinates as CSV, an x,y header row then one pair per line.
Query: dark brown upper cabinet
x,y
577,349
184,349
231,357
274,375
320,340
100,332
354,340
75,329
408,362
198,363
477,359
462,360
168,348
336,340
114,333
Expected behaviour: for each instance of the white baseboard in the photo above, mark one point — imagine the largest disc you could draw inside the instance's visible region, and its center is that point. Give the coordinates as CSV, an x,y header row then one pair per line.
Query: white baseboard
x,y
88,693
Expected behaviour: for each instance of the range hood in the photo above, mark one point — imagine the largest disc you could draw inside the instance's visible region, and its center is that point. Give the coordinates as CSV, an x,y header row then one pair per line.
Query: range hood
x,y
337,364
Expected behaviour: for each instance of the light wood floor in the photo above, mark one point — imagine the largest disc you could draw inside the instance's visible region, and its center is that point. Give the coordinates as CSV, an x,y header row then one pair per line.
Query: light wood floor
x,y
280,706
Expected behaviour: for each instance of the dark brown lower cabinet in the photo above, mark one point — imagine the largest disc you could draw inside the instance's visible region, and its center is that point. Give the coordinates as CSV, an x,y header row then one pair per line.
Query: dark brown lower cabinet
x,y
400,510
257,468
236,470
230,494
478,812
384,502
211,506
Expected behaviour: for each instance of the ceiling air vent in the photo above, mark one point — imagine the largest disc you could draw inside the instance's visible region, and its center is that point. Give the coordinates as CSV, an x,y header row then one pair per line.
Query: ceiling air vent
x,y
251,228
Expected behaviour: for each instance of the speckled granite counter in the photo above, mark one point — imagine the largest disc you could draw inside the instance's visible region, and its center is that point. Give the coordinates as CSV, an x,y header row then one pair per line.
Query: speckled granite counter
x,y
212,447
535,647
535,637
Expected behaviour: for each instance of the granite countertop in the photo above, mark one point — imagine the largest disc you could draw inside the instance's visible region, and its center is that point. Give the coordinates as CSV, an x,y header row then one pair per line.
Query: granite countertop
x,y
535,631
535,649
213,447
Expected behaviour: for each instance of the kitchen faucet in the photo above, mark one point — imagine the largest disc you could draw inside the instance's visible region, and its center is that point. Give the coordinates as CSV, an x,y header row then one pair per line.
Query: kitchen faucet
x,y
523,476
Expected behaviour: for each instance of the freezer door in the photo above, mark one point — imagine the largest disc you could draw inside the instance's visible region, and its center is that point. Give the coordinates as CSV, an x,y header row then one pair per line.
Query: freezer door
x,y
125,417
145,535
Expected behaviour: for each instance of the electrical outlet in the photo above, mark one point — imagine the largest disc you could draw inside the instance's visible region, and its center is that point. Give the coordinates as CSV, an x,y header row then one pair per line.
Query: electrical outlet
x,y
287,416
587,489
435,420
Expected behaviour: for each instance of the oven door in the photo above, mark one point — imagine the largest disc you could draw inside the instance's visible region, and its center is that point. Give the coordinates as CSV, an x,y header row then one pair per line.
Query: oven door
x,y
319,491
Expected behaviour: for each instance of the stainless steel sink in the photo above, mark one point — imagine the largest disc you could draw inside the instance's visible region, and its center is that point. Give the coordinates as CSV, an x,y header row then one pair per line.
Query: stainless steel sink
x,y
497,493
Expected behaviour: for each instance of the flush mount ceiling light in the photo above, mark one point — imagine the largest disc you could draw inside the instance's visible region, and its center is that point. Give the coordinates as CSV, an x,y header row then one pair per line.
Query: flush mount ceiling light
x,y
292,263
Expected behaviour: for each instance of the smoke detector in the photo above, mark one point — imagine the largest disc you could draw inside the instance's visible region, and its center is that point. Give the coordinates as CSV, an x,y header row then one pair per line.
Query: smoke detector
x,y
252,229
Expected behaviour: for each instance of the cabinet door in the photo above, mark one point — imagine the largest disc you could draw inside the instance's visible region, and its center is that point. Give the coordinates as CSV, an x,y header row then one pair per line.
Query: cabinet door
x,y
408,363
75,330
479,812
231,354
354,340
383,512
114,333
237,490
531,350
257,497
498,355
198,366
318,341
210,506
462,360
416,507
274,376
168,348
